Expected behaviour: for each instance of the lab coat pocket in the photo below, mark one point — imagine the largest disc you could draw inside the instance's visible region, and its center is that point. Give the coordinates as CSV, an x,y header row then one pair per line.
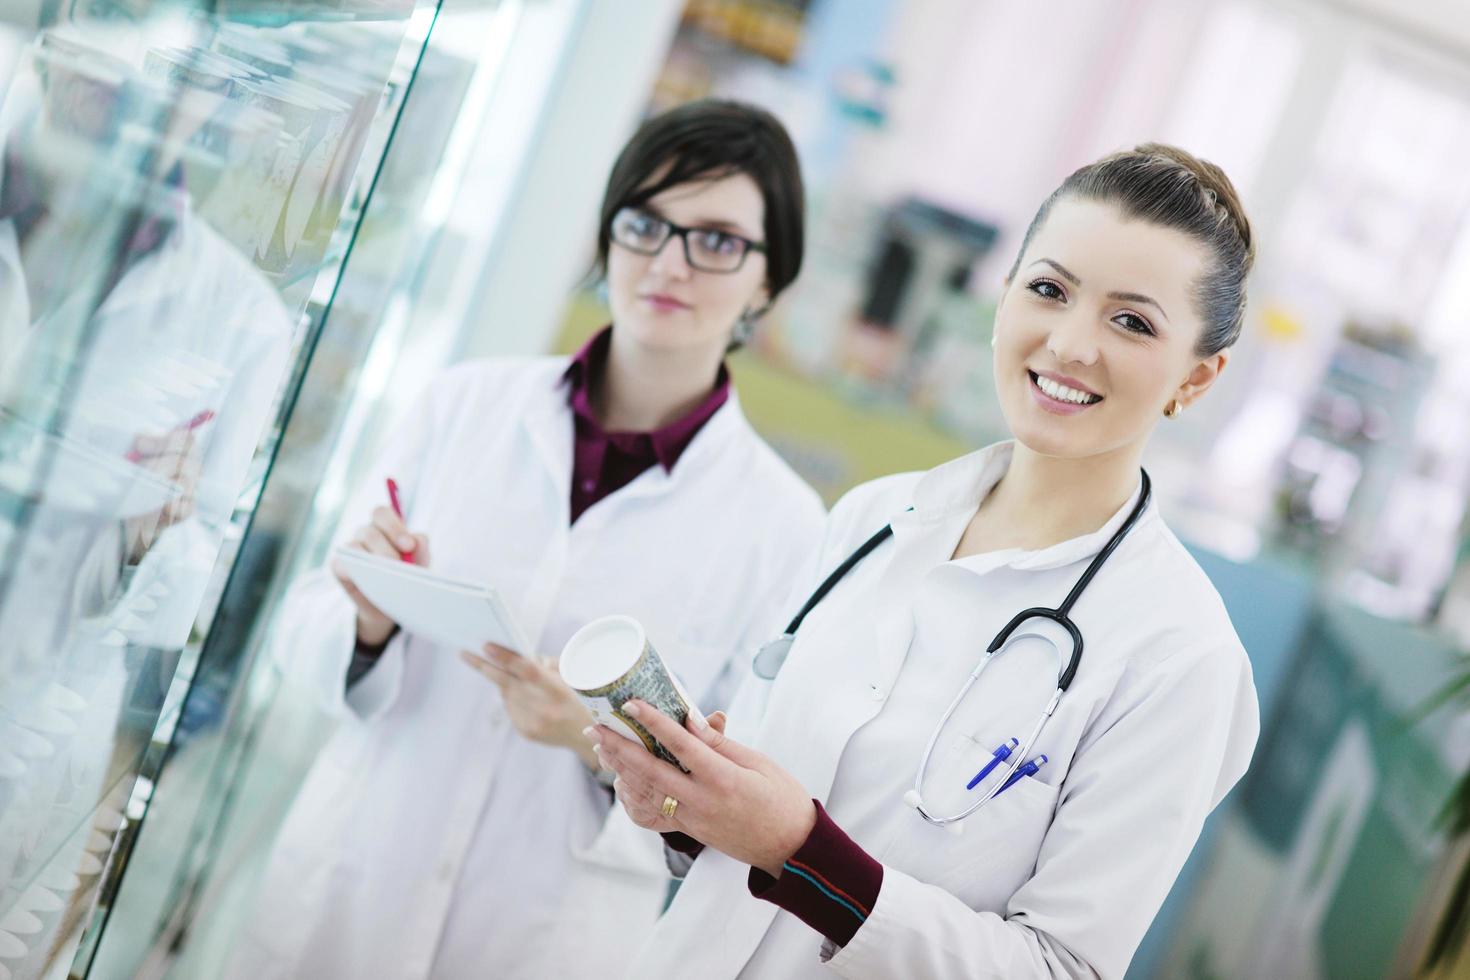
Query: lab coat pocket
x,y
620,845
987,861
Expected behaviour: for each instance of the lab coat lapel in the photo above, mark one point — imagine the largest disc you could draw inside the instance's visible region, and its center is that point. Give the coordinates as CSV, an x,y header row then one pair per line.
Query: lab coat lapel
x,y
547,421
918,546
894,633
867,658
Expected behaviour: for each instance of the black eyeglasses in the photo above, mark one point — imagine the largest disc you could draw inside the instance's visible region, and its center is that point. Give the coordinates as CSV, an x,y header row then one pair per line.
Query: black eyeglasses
x,y
705,249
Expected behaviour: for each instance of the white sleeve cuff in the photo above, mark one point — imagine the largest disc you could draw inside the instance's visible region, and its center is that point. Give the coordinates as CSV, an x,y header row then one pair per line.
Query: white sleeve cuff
x,y
313,643
678,862
375,692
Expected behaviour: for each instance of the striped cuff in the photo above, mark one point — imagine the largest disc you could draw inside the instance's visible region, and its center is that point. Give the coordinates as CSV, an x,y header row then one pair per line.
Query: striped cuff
x,y
830,883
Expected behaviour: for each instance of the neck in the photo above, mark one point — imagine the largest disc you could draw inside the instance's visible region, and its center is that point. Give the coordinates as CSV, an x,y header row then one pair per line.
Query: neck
x,y
645,389
1042,500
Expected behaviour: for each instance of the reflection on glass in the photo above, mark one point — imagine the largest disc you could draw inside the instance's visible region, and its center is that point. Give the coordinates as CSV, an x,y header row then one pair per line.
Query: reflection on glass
x,y
169,189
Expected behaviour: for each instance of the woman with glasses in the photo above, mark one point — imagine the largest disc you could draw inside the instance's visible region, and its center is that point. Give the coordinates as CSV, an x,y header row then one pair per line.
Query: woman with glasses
x,y
456,825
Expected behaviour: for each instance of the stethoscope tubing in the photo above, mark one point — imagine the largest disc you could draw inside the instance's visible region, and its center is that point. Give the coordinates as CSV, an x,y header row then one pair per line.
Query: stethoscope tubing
x,y
1060,615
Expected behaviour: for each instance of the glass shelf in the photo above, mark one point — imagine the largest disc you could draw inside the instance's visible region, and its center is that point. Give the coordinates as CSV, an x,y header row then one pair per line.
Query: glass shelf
x,y
180,185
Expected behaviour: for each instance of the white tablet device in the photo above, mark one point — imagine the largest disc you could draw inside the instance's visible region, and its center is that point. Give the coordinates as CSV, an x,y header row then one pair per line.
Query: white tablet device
x,y
458,613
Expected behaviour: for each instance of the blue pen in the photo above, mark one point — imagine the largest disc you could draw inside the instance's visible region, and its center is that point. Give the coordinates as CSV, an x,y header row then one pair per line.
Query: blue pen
x,y
998,756
1026,769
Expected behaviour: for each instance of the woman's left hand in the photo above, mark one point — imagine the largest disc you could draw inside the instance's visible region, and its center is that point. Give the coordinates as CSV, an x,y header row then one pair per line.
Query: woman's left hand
x,y
733,798
540,704
176,458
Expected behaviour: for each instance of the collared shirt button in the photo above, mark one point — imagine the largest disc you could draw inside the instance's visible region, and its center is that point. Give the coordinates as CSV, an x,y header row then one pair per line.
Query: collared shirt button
x,y
877,692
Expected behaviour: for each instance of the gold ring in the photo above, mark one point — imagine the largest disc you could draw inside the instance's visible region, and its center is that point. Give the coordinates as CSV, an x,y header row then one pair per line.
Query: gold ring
x,y
670,805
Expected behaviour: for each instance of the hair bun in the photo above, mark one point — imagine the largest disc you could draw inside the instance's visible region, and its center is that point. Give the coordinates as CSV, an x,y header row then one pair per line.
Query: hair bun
x,y
1218,189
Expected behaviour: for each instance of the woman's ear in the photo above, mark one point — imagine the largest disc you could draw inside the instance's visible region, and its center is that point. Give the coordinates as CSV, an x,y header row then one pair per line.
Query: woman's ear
x,y
1202,377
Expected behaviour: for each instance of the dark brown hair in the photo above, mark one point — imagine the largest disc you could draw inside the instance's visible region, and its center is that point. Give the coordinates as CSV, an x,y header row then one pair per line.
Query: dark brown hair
x,y
706,140
1172,188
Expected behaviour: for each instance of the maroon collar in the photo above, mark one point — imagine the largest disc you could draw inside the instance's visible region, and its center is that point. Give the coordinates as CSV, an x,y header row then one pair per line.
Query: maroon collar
x,y
669,441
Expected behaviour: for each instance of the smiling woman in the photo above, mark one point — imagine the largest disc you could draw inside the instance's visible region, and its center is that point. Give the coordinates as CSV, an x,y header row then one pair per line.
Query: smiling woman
x,y
1124,299
1120,309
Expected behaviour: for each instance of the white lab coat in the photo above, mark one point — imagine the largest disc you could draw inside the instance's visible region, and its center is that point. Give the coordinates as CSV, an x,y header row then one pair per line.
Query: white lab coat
x,y
1061,875
430,839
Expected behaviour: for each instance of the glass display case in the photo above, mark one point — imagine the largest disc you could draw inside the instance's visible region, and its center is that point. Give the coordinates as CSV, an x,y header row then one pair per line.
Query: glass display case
x,y
180,186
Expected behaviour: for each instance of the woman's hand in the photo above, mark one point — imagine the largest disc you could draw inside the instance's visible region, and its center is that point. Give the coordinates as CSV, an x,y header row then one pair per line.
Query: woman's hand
x,y
386,536
733,798
540,704
175,458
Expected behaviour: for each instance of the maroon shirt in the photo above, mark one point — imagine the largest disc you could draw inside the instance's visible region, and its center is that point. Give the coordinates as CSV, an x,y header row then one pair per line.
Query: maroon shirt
x,y
602,461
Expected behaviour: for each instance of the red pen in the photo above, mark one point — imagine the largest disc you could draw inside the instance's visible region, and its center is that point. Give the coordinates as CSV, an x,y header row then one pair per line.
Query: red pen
x,y
397,509
136,456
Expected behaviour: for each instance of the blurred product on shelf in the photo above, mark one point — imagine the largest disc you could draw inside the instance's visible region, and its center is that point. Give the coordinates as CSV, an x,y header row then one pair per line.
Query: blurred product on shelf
x,y
769,28
922,257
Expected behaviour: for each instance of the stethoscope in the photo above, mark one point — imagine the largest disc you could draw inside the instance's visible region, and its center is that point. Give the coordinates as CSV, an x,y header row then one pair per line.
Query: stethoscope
x,y
772,656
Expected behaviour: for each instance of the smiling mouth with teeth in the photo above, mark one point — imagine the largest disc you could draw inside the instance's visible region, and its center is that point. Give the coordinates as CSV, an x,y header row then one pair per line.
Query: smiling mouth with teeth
x,y
1061,392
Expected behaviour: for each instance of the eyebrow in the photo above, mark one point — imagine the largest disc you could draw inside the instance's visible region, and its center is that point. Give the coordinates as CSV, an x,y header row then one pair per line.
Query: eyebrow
x,y
711,224
715,224
1125,297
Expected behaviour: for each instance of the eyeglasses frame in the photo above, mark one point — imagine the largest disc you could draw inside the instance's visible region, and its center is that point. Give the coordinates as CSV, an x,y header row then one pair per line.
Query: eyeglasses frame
x,y
682,233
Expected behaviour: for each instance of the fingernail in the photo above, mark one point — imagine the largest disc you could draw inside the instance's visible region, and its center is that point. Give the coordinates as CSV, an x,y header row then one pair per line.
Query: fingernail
x,y
597,750
590,732
630,709
700,721
406,544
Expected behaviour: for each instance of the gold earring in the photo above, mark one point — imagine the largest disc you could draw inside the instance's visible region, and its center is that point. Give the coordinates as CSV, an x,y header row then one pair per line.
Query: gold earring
x,y
1172,412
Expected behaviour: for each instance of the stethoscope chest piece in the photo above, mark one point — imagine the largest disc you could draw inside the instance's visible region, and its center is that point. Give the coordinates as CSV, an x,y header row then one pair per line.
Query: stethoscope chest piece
x,y
771,657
